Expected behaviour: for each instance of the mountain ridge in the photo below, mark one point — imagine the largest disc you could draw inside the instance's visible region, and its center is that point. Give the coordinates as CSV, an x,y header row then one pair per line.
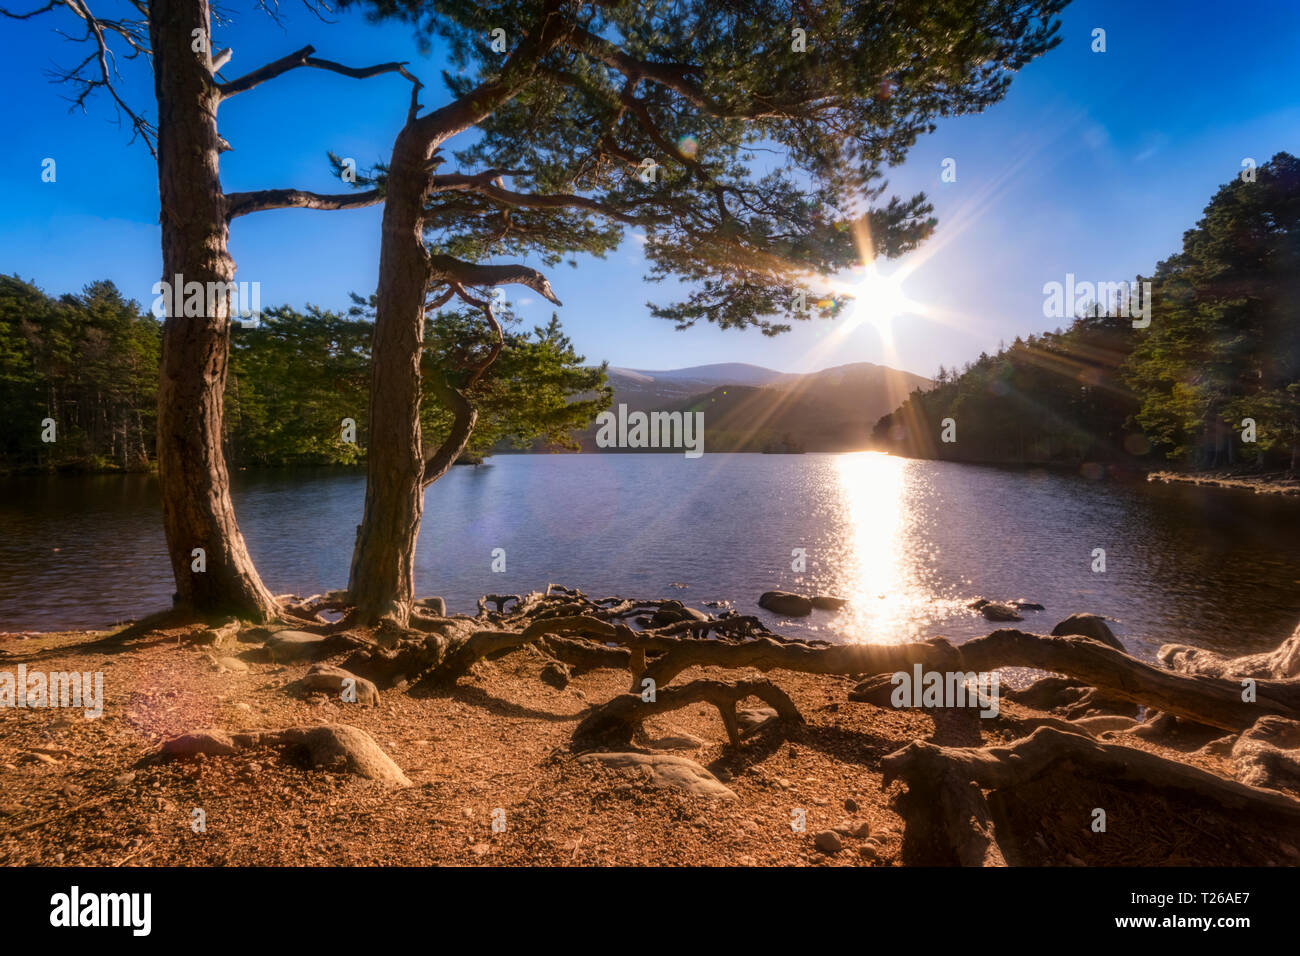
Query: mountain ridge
x,y
752,408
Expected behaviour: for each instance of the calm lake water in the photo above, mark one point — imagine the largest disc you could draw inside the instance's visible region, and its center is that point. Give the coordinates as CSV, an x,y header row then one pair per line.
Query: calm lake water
x,y
908,542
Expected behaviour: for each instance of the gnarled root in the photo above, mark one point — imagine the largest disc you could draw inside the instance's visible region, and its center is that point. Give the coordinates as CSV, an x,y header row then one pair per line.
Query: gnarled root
x,y
594,635
1282,663
1216,702
613,724
947,817
447,653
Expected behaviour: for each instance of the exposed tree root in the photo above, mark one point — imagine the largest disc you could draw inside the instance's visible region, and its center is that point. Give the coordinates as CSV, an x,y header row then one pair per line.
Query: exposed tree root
x,y
766,653
614,723
948,820
1282,662
1268,755
963,805
1216,702
447,653
1099,678
158,621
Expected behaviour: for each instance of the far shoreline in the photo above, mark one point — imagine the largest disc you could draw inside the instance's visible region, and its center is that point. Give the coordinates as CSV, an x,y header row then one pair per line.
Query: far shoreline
x,y
1270,483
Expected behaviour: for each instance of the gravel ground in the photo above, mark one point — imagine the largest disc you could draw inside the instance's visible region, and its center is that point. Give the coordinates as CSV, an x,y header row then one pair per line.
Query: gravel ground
x,y
83,791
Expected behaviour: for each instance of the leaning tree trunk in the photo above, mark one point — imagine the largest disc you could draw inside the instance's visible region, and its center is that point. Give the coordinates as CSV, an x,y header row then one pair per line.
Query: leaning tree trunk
x,y
381,584
197,512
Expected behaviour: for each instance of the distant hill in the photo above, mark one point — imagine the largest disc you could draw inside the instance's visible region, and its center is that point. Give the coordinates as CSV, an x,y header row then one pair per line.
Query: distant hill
x,y
646,390
748,408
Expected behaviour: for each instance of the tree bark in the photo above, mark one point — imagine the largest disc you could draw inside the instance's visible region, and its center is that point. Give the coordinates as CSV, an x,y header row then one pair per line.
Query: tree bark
x,y
381,583
195,485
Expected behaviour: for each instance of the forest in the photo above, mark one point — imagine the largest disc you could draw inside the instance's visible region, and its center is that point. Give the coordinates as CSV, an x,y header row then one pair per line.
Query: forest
x,y
1213,382
297,391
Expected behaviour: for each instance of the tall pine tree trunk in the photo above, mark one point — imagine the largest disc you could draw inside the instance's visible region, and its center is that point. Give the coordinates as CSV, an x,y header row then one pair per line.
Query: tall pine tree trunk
x,y
381,584
197,511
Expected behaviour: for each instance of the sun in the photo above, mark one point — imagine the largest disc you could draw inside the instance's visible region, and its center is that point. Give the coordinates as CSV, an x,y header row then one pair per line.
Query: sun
x,y
879,300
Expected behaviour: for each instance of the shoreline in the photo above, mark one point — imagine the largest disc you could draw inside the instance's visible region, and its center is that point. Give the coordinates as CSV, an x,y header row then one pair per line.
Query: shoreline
x,y
1271,483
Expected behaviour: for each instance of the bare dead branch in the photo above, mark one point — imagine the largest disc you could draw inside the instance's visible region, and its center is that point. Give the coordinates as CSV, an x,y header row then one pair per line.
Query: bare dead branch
x,y
304,58
241,204
105,75
31,13
444,268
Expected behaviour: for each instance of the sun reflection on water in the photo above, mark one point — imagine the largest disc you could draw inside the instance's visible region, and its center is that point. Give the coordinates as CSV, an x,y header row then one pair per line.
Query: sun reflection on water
x,y
884,571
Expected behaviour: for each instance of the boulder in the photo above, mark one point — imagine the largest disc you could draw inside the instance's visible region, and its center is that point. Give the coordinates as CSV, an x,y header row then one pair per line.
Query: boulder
x,y
786,602
751,719
994,611
334,680
1088,625
664,770
828,841
672,612
435,606
557,675
293,645
853,828
338,747
231,664
825,602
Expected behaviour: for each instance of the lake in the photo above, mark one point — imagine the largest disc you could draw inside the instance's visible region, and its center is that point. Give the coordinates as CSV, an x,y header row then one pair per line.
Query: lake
x,y
909,543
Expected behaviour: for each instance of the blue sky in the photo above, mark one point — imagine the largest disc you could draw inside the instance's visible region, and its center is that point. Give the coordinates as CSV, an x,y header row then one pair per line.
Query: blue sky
x,y
1094,164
